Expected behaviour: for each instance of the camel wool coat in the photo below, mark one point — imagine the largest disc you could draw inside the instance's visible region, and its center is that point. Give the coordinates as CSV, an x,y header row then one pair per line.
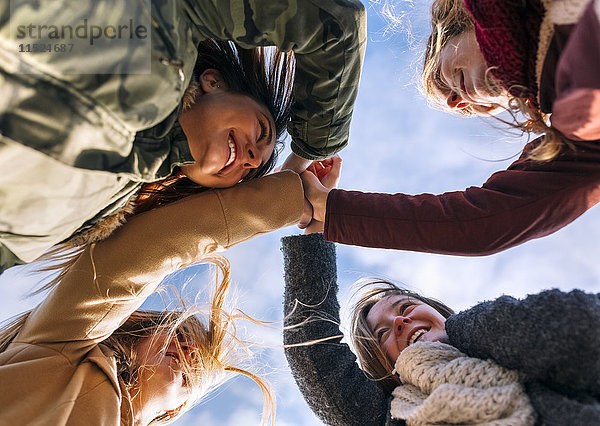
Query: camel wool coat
x,y
56,370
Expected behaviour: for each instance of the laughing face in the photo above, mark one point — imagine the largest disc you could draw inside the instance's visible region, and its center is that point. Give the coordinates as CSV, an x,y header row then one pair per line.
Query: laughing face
x,y
398,321
464,71
228,134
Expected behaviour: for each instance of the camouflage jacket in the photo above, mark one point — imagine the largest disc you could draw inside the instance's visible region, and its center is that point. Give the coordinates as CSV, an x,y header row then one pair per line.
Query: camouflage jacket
x,y
75,147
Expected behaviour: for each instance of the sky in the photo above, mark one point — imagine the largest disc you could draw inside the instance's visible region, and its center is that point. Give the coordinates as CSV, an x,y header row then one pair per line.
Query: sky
x,y
397,144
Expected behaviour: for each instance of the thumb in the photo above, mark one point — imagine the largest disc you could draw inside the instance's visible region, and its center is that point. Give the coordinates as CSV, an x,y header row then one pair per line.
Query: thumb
x,y
311,184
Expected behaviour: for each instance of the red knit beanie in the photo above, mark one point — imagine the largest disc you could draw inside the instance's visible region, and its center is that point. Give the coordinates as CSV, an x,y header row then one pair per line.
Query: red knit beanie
x,y
507,32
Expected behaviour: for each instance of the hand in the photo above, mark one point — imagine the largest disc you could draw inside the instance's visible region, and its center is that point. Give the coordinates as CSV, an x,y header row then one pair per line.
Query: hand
x,y
315,227
320,178
295,163
307,215
328,171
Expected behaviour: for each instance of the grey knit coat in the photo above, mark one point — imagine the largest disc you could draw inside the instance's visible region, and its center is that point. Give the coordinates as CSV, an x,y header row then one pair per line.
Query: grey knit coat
x,y
553,337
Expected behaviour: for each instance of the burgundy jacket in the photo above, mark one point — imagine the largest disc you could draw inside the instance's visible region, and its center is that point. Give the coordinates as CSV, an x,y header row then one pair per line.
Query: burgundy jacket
x,y
528,200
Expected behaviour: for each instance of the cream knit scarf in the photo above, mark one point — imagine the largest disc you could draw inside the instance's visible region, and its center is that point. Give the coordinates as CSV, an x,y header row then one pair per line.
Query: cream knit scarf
x,y
441,385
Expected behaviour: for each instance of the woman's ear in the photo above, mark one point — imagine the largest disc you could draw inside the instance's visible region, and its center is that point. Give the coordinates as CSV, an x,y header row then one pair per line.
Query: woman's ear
x,y
211,80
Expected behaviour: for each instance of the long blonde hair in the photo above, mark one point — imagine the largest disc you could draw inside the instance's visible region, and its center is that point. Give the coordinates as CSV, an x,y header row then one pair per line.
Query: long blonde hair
x,y
370,354
450,18
215,349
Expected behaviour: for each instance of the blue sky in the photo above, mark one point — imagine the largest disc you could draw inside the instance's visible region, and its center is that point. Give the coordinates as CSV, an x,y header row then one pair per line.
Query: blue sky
x,y
397,144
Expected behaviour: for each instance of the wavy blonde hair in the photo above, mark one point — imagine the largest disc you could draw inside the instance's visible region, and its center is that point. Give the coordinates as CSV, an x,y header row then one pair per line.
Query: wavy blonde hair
x,y
450,18
215,349
370,354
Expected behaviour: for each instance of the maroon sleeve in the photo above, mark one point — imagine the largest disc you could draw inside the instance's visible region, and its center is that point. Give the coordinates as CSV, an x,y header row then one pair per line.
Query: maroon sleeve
x,y
576,110
528,200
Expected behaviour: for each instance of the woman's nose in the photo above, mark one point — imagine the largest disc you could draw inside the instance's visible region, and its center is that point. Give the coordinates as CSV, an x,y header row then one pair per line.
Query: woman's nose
x,y
252,158
400,322
455,101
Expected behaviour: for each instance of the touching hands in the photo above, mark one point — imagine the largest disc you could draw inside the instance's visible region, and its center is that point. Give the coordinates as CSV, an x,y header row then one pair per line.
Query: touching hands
x,y
295,163
318,179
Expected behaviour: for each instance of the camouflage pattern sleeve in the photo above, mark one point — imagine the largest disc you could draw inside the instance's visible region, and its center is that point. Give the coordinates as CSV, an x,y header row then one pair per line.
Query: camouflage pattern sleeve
x,y
328,38
84,108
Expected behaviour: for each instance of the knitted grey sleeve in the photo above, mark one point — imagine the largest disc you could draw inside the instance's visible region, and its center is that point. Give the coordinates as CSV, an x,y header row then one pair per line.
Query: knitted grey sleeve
x,y
556,409
553,337
327,374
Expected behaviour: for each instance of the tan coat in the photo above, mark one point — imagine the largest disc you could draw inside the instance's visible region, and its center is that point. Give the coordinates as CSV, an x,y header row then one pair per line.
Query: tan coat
x,y
56,372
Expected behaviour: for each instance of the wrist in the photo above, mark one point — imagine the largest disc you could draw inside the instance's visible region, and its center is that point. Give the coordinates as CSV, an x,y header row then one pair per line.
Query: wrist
x,y
315,227
321,209
296,163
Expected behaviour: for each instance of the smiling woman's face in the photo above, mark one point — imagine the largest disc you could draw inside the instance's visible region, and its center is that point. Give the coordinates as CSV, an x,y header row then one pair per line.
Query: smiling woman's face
x,y
464,70
398,321
229,134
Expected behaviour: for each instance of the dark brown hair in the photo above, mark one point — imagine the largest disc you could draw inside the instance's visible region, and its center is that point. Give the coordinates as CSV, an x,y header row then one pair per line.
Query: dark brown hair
x,y
265,74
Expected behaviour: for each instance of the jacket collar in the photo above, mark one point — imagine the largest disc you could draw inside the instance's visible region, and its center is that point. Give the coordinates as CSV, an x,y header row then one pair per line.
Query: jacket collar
x,y
104,358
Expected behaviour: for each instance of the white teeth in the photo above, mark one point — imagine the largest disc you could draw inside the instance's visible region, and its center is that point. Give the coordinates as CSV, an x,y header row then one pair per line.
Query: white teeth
x,y
231,153
416,335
